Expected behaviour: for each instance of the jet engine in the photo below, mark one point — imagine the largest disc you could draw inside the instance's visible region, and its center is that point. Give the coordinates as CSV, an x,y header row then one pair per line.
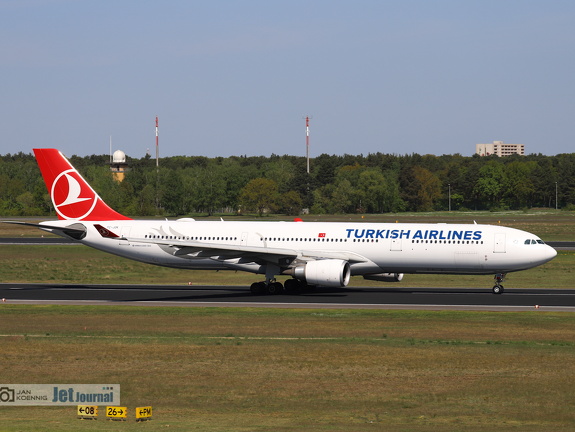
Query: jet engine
x,y
328,273
384,277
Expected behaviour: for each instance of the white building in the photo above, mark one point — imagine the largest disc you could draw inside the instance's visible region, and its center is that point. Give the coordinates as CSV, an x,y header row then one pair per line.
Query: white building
x,y
499,148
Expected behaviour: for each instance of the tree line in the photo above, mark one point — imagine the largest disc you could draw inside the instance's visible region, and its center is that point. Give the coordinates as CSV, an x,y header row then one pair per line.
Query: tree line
x,y
376,183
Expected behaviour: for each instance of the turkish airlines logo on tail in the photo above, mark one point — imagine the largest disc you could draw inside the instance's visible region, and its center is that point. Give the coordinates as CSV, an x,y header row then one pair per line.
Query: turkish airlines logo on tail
x,y
105,232
71,196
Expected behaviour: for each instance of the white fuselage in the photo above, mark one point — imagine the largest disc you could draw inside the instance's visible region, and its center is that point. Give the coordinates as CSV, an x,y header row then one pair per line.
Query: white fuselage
x,y
373,247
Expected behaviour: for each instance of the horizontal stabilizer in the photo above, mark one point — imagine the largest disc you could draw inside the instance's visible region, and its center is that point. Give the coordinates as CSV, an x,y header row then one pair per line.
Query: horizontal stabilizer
x,y
76,231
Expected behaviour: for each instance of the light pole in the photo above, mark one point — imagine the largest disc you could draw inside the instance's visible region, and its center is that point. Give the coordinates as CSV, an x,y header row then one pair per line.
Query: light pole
x,y
556,203
449,185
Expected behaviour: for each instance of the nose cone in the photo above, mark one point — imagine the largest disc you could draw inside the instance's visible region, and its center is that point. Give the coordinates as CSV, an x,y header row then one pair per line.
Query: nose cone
x,y
552,253
546,254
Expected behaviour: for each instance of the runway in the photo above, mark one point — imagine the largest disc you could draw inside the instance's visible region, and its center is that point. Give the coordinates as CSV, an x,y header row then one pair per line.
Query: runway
x,y
240,296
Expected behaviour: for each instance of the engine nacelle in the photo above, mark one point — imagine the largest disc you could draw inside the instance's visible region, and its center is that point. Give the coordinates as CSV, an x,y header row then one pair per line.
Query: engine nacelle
x,y
384,277
328,273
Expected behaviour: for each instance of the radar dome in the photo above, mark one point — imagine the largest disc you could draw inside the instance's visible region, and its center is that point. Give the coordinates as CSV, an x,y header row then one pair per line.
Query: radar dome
x,y
119,157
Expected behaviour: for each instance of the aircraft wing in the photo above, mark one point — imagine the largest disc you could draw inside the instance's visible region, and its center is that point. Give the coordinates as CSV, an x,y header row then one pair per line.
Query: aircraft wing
x,y
221,252
232,251
257,253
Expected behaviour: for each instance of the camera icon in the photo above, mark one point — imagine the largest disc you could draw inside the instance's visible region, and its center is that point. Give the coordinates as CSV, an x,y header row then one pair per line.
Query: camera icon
x,y
6,394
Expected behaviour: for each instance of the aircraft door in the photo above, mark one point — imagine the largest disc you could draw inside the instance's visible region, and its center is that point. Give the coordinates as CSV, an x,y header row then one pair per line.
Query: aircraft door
x,y
499,243
395,244
244,239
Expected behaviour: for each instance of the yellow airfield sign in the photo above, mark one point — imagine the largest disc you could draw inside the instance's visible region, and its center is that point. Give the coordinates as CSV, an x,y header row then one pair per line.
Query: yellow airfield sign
x,y
87,411
116,412
144,413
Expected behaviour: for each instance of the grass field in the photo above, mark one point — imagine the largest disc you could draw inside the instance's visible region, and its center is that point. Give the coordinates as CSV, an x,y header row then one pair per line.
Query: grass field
x,y
221,369
239,369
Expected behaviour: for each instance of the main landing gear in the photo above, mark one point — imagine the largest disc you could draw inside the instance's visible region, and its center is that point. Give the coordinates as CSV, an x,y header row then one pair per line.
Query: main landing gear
x,y
498,288
291,286
259,288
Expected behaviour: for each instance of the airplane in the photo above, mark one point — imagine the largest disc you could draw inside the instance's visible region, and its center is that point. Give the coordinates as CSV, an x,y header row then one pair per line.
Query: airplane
x,y
309,253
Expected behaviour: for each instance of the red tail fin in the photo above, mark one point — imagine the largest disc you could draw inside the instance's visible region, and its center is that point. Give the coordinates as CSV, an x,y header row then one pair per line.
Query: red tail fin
x,y
72,196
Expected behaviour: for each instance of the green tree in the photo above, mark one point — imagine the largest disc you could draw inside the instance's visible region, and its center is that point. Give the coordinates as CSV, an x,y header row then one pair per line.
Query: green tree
x,y
489,185
236,175
146,202
259,195
342,199
210,189
429,188
290,203
377,194
519,189
281,171
422,189
543,177
173,197
566,179
322,199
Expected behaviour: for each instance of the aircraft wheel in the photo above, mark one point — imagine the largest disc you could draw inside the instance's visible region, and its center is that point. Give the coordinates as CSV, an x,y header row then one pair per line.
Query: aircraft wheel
x,y
275,288
258,288
292,286
498,289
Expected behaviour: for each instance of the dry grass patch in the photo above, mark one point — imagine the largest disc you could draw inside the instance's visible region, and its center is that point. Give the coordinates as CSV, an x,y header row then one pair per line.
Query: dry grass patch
x,y
248,369
236,323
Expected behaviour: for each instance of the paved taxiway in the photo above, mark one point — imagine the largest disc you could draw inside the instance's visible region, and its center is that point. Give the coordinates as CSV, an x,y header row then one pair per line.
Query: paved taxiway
x,y
229,296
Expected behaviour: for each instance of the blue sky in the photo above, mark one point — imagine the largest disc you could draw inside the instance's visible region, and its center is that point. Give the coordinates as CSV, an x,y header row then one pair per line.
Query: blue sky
x,y
237,77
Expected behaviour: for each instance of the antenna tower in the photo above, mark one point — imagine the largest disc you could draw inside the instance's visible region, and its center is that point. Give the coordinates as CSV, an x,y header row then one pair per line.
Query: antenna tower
x,y
157,146
307,141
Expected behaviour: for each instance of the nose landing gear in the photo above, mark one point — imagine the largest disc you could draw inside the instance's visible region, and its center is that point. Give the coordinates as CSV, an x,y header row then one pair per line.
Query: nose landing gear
x,y
498,288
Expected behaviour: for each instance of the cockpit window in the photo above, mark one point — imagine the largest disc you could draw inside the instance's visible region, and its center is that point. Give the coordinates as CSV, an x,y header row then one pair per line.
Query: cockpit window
x,y
532,241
